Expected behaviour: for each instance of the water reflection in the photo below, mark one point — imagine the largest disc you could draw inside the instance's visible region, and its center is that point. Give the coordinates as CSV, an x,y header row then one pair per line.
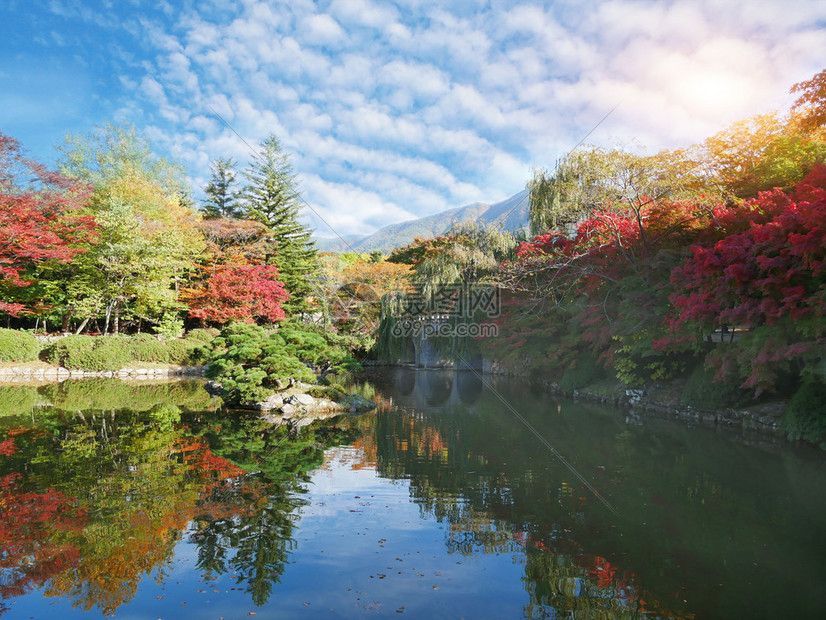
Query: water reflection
x,y
105,486
706,526
95,498
440,390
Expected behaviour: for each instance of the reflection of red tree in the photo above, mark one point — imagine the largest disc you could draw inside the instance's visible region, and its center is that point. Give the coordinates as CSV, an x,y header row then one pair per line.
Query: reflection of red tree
x,y
8,447
198,457
600,578
31,528
222,495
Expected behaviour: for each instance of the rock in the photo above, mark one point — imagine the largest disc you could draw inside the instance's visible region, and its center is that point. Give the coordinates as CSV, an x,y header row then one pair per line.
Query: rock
x,y
267,405
358,404
303,400
288,410
274,399
634,396
214,388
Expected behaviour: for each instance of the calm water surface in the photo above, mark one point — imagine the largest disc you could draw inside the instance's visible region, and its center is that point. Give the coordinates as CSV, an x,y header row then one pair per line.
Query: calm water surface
x,y
152,502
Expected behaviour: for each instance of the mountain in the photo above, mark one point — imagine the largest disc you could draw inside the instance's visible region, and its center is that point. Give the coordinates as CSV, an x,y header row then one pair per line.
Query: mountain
x,y
511,213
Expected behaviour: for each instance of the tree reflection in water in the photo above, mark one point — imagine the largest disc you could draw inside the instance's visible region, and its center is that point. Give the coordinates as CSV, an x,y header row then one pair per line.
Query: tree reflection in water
x,y
93,500
97,498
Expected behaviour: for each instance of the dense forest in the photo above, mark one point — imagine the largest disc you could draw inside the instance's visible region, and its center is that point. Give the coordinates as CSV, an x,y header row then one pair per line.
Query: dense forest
x,y
705,263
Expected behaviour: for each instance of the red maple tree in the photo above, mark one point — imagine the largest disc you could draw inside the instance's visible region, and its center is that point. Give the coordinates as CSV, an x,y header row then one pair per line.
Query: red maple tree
x,y
238,292
38,217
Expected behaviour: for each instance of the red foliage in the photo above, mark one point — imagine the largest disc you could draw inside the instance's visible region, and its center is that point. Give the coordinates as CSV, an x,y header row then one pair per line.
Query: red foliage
x,y
770,271
8,447
238,292
36,217
30,552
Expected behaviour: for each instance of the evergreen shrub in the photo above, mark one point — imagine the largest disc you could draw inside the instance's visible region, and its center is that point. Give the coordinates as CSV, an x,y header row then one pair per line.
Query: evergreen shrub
x,y
16,346
805,416
703,392
146,348
584,371
202,336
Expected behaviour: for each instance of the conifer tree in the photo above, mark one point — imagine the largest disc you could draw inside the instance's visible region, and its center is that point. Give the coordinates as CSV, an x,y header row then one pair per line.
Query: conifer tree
x,y
271,197
221,195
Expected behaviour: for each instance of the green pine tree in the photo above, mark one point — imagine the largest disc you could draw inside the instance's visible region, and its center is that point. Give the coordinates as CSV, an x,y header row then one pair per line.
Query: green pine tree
x,y
272,197
221,196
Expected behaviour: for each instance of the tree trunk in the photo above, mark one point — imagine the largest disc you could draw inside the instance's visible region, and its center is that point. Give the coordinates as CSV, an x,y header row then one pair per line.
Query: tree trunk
x,y
81,327
116,320
64,326
109,309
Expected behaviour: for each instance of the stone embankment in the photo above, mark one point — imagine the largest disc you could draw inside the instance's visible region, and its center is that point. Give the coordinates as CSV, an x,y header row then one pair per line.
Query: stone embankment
x,y
764,418
42,372
659,401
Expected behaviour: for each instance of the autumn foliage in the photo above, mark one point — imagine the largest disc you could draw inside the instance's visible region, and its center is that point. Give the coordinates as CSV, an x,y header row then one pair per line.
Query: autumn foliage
x,y
768,279
38,218
238,292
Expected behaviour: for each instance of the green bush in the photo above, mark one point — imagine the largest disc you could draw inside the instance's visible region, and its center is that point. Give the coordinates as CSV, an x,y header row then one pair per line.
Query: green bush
x,y
116,352
146,348
584,371
90,353
636,362
66,350
186,352
170,326
202,336
108,353
18,346
703,392
249,360
805,416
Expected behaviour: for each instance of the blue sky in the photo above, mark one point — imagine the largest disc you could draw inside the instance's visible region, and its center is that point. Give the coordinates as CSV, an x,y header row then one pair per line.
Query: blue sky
x,y
396,110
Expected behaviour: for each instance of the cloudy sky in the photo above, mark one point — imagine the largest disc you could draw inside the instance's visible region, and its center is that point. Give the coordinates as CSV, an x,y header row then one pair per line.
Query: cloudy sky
x,y
398,109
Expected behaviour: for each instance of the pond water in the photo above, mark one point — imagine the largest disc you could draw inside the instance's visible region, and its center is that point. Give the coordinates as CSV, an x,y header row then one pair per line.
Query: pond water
x,y
152,502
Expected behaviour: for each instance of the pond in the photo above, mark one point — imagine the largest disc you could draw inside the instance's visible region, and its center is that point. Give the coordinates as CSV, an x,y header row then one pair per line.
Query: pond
x,y
454,499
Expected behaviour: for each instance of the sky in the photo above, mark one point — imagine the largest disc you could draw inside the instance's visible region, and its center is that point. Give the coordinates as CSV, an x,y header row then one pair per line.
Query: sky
x,y
393,110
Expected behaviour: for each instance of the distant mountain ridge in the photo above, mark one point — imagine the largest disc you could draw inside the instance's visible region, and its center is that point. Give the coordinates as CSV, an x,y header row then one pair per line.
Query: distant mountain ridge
x,y
511,213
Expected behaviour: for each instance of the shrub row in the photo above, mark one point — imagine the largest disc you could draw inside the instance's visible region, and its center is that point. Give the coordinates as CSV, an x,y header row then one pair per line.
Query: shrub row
x,y
18,346
116,352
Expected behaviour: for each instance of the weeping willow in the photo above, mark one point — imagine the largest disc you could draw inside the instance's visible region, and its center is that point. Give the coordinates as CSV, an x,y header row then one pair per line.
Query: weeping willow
x,y
467,256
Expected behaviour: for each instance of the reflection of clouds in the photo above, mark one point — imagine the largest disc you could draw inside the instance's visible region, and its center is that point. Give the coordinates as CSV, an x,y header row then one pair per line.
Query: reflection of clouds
x,y
344,456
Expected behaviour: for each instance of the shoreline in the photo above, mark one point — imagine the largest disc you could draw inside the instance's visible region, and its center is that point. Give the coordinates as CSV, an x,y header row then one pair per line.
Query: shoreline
x,y
661,401
43,372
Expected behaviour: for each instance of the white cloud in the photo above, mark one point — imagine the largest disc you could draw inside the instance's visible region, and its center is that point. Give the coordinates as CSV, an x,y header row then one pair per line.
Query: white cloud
x,y
398,110
363,12
321,30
